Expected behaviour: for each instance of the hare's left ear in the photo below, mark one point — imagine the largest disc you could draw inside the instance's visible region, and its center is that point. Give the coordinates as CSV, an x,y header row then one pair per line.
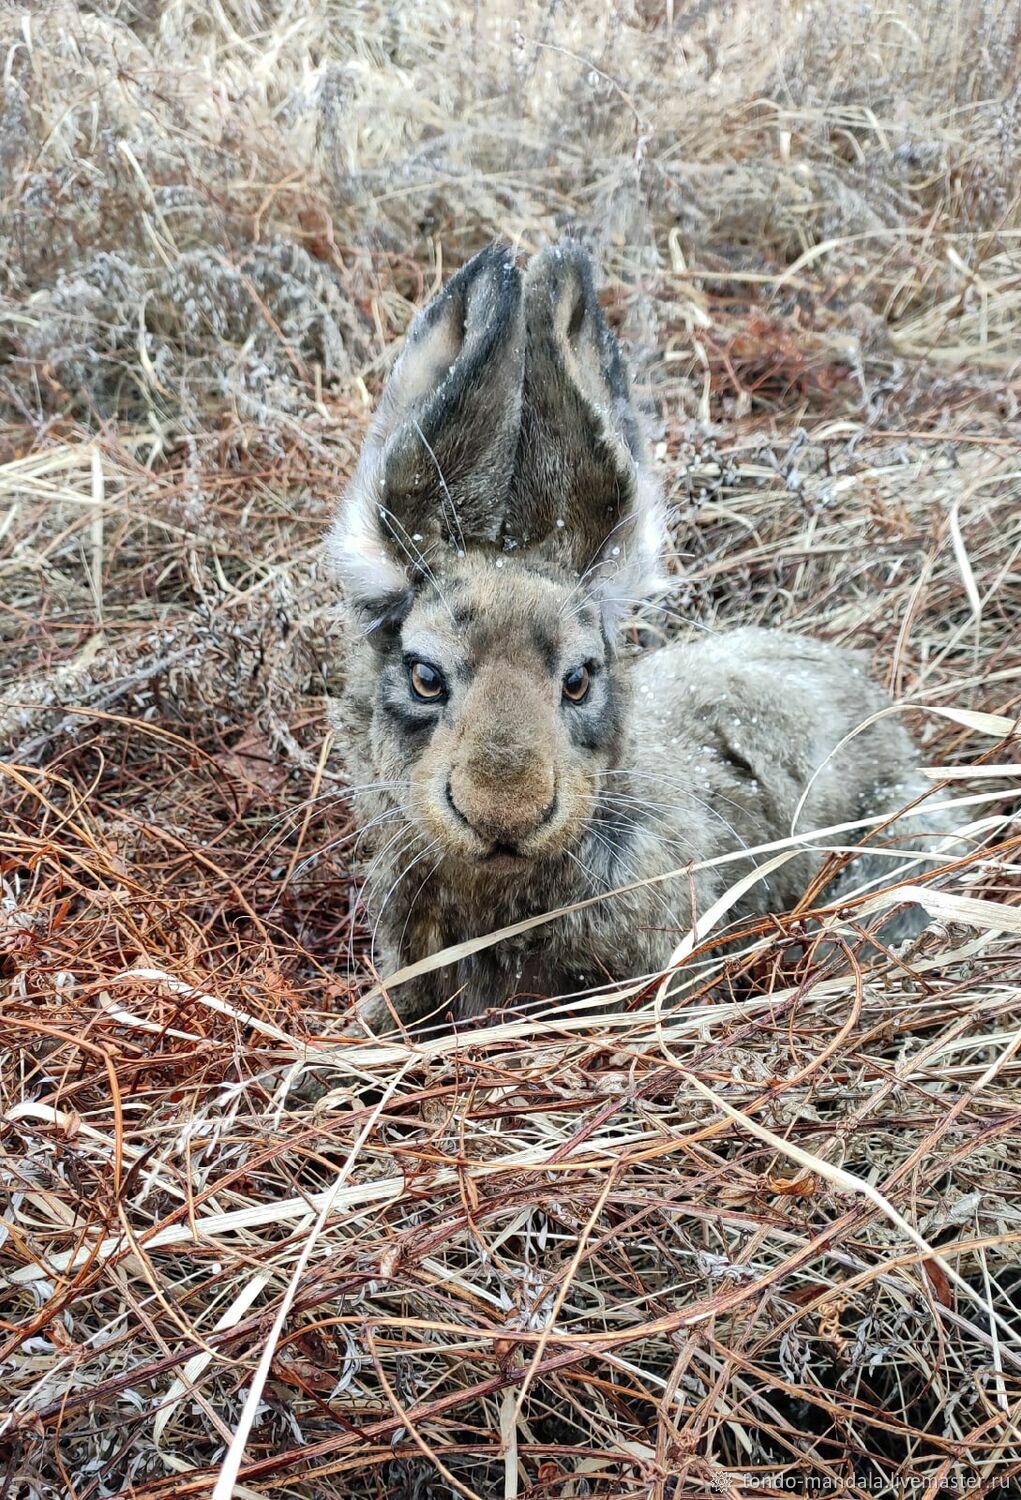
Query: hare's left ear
x,y
581,480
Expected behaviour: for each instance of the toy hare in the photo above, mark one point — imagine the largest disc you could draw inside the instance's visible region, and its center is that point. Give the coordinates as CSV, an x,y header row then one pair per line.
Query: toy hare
x,y
511,756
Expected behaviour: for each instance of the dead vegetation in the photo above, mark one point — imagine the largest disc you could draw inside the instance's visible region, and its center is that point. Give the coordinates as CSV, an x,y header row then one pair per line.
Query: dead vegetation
x,y
755,1229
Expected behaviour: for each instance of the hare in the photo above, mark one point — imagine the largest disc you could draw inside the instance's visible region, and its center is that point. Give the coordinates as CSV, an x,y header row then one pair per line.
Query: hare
x,y
509,756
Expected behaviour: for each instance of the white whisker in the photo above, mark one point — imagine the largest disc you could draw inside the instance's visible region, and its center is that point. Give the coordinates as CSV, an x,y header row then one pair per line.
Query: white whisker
x,y
694,797
617,856
593,566
415,555
443,484
424,882
608,802
354,839
332,797
430,848
663,609
404,839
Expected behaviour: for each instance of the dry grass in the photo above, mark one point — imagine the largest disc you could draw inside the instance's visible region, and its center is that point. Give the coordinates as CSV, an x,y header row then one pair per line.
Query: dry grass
x,y
751,1230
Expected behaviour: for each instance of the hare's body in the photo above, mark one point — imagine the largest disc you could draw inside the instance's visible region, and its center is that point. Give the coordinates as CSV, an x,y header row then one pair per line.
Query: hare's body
x,y
725,734
512,758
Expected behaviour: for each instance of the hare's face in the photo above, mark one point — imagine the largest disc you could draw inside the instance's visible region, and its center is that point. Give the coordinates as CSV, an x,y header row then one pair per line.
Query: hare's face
x,y
498,705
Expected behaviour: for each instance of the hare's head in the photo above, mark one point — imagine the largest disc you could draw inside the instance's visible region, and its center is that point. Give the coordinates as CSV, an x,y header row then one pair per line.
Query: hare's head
x,y
499,522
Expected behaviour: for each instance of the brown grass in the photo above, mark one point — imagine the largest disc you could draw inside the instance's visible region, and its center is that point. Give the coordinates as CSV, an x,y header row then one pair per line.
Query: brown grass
x,y
753,1228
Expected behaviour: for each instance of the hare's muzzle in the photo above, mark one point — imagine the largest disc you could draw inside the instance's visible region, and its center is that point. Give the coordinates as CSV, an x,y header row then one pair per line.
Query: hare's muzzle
x,y
502,781
504,827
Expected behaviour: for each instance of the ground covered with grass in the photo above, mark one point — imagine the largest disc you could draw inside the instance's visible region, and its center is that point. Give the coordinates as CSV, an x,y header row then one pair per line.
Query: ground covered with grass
x,y
752,1229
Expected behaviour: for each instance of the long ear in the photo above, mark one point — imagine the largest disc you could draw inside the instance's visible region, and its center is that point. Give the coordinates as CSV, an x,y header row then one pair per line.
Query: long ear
x,y
436,465
580,480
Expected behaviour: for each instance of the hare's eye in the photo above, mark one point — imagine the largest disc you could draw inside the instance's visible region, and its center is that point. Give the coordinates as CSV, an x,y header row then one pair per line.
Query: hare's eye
x,y
426,681
576,685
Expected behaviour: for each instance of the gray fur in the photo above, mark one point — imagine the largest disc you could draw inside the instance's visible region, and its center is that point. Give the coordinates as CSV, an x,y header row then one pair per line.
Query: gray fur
x,y
505,799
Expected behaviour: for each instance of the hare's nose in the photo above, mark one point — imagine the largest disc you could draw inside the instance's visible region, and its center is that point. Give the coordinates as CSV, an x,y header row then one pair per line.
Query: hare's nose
x,y
505,817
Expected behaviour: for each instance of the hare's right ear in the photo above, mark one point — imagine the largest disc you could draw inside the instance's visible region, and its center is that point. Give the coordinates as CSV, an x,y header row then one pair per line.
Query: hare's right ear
x,y
436,465
581,482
